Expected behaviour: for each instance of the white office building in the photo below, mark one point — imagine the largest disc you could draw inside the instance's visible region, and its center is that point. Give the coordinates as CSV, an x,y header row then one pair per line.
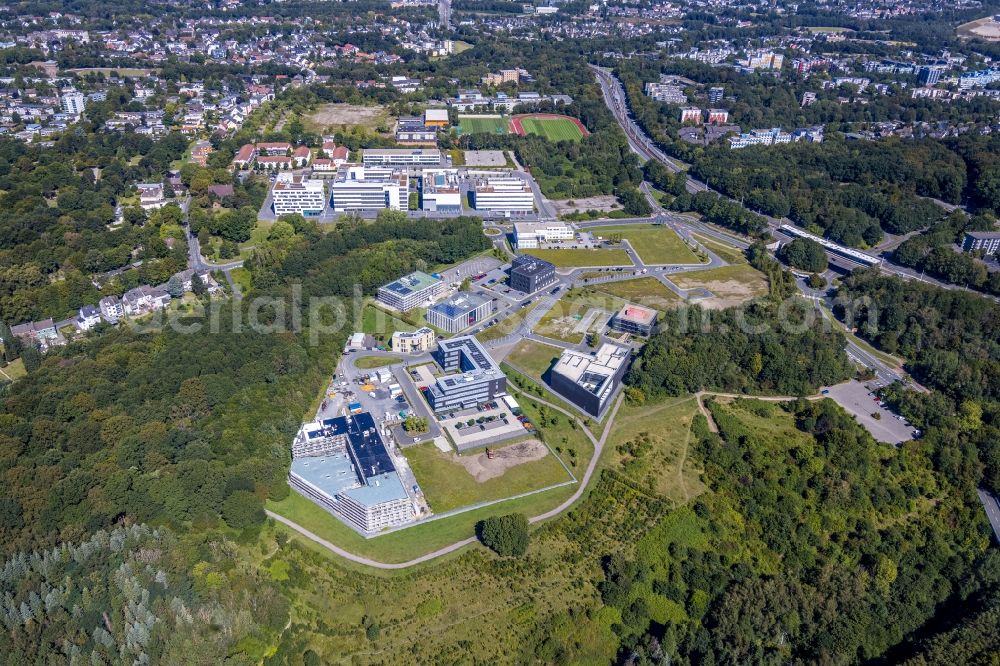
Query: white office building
x,y
293,193
530,235
507,195
369,188
400,157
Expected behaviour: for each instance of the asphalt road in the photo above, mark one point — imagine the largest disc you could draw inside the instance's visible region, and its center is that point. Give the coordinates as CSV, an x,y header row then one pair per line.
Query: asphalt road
x,y
992,507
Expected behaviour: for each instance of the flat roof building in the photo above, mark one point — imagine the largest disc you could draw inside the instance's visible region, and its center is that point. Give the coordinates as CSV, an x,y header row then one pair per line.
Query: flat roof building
x,y
343,465
413,342
589,381
410,291
529,235
293,193
369,188
529,274
401,157
988,241
436,117
459,311
634,319
506,195
478,379
441,192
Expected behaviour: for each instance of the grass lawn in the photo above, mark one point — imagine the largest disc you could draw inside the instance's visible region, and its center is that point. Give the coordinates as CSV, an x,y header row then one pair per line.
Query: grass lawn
x,y
731,285
655,244
553,129
448,485
412,542
370,362
646,291
241,276
381,324
663,463
474,125
504,327
460,46
727,253
533,358
562,319
14,370
580,258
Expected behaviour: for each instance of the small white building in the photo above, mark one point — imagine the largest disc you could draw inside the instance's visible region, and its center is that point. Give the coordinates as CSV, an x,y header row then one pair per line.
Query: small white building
x,y
530,235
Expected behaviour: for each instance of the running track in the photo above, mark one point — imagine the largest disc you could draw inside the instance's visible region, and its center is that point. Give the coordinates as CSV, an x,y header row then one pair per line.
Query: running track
x,y
517,128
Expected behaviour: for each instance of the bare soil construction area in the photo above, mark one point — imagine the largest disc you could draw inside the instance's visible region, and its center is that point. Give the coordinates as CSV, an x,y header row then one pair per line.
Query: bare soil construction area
x,y
483,468
601,203
985,28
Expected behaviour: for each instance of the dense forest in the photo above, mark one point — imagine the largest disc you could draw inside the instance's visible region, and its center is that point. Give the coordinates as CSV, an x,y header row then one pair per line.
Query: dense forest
x,y
949,339
189,430
815,545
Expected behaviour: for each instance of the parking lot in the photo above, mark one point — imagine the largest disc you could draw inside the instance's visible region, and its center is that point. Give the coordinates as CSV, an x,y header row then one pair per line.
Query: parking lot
x,y
857,400
485,158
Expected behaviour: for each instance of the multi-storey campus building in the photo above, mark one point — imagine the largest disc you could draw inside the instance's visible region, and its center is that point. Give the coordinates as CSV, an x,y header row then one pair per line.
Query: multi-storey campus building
x,y
401,157
589,381
410,291
368,188
293,193
529,274
459,311
342,464
477,377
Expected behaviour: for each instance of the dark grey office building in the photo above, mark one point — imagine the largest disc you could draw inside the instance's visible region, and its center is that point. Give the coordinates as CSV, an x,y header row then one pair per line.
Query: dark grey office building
x,y
529,274
590,381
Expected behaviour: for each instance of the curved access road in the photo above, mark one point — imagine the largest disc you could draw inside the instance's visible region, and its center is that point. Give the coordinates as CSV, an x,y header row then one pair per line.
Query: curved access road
x,y
450,548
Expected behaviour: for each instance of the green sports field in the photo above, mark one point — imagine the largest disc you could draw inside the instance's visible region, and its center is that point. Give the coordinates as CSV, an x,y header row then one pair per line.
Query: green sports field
x,y
467,125
553,129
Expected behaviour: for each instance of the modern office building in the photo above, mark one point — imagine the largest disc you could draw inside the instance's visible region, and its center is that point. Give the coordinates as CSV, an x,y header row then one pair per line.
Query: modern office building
x,y
368,188
459,311
413,342
410,291
294,193
478,379
634,319
504,195
343,465
987,241
529,274
590,381
441,192
530,235
401,157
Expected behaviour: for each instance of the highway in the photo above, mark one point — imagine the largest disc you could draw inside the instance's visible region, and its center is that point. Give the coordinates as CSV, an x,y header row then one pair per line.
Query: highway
x,y
992,507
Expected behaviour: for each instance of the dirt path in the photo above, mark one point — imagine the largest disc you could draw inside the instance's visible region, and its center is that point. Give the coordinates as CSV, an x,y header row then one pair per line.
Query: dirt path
x,y
767,398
